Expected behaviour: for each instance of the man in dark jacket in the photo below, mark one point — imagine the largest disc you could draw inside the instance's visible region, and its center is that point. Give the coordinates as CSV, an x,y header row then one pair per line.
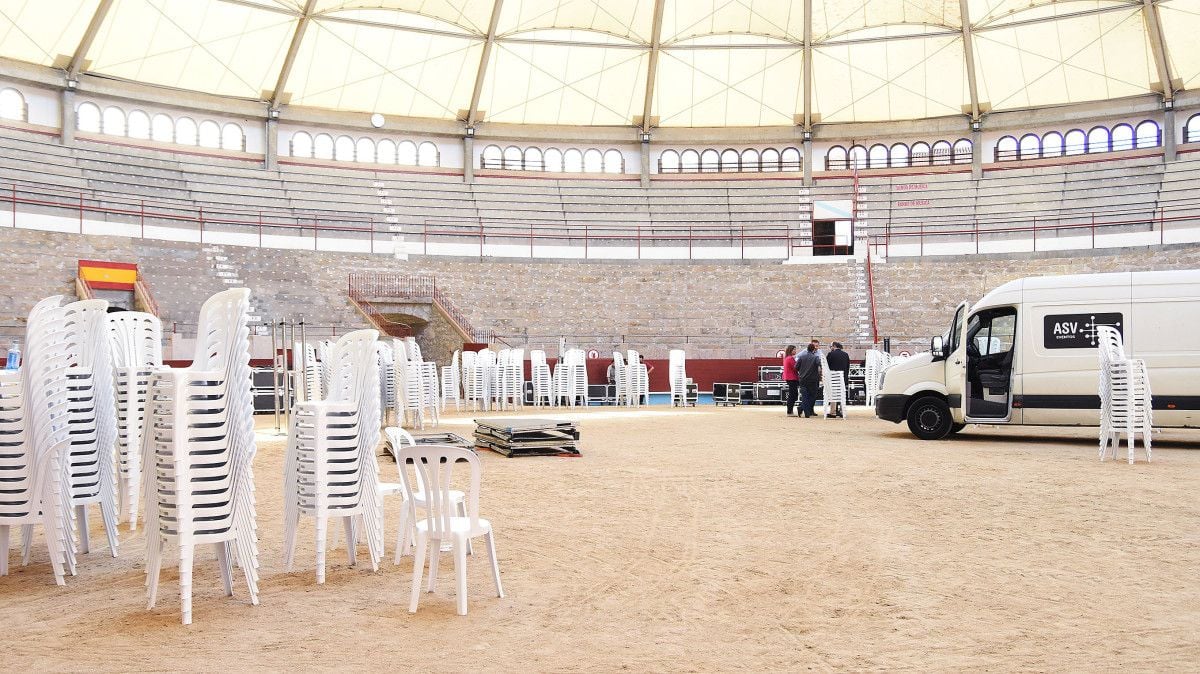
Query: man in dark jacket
x,y
808,370
839,361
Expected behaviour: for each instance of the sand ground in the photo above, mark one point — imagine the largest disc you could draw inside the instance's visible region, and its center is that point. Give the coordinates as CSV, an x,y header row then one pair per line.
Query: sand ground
x,y
702,540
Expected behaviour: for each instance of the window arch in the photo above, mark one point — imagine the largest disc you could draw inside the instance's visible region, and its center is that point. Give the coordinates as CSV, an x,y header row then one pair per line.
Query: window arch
x,y
343,149
428,155
512,159
1122,137
858,157
185,131
573,161
1148,134
730,161
364,151
964,151
919,154
534,160
113,123
492,157
1031,146
210,134
942,153
789,159
323,146
689,161
710,161
750,160
302,144
593,161
1075,142
898,155
232,138
668,162
770,160
836,158
406,154
1052,144
1099,140
138,125
1006,149
1191,131
87,118
162,129
614,161
385,151
553,157
12,105
877,157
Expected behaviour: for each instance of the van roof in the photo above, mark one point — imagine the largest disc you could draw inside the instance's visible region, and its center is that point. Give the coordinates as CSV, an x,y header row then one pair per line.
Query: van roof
x,y
1111,279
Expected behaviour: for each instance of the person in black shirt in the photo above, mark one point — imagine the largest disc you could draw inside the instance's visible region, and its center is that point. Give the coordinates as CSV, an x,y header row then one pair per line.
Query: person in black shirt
x,y
839,361
808,371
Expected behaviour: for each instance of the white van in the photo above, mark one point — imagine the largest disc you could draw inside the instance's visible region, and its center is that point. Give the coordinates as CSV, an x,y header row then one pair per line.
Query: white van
x,y
1025,354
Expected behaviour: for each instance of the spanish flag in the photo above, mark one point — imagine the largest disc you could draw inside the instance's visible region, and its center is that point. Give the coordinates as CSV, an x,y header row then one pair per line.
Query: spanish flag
x,y
108,275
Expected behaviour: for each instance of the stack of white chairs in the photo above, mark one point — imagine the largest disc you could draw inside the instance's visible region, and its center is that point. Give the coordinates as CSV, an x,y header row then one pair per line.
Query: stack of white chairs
x,y
308,371
485,363
413,349
496,379
452,383
200,445
386,360
543,381
621,379
35,438
330,469
1125,397
91,466
571,379
136,342
639,379
468,378
834,390
512,379
324,357
431,399
876,363
410,396
677,374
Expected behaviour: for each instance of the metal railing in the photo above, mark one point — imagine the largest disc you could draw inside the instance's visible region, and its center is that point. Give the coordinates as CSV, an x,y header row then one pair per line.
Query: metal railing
x,y
367,288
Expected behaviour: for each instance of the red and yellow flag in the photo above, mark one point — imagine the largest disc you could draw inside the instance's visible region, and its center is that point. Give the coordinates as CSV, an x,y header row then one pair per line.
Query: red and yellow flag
x,y
108,275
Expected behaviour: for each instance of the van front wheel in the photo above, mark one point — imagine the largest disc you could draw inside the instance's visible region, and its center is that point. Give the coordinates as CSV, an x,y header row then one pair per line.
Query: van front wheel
x,y
929,418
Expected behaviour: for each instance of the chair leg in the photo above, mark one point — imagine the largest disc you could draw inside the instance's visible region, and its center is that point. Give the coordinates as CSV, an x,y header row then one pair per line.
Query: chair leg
x,y
418,567
491,546
289,542
81,521
185,582
109,515
403,534
4,550
351,542
225,566
462,512
153,567
26,543
322,531
460,573
435,552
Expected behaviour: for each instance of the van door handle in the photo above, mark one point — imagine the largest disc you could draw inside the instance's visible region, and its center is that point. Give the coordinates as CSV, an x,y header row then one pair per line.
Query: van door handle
x,y
958,362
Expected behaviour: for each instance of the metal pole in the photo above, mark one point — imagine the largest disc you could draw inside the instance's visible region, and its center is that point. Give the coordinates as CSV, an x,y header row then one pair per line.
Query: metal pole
x,y
287,377
304,358
275,372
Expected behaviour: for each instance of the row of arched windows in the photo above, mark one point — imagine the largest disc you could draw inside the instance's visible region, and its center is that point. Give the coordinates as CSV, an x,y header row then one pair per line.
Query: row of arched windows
x,y
899,155
552,160
730,160
12,105
364,150
1076,141
113,121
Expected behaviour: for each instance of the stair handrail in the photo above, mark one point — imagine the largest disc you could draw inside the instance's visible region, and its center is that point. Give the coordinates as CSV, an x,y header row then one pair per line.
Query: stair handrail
x,y
421,287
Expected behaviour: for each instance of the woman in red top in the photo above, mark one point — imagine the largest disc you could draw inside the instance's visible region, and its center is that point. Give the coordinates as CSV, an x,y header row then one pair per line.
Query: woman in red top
x,y
789,376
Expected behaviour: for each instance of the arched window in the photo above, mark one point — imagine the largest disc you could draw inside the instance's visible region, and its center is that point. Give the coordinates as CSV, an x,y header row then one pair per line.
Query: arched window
x,y
919,153
878,157
573,161
963,151
343,148
302,144
858,157
668,162
139,125
162,129
185,131
512,158
898,155
710,161
1191,132
789,159
1006,149
364,150
492,158
1052,144
323,146
614,161
689,161
942,153
533,159
769,160
1075,141
87,118
1031,146
1098,140
836,158
729,162
210,134
428,155
593,161
12,105
750,160
1148,134
554,160
406,154
385,151
1122,137
232,138
114,121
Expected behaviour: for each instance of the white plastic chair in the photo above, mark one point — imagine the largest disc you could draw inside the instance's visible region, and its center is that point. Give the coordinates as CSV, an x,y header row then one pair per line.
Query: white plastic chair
x,y
677,373
397,439
330,469
834,391
452,383
386,358
135,339
434,464
543,381
200,441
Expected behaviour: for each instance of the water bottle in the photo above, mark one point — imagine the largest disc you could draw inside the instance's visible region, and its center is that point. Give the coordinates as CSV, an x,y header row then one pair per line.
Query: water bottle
x,y
14,356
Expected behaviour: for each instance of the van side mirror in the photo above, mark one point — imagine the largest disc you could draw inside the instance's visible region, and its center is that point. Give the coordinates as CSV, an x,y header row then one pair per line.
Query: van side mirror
x,y
936,347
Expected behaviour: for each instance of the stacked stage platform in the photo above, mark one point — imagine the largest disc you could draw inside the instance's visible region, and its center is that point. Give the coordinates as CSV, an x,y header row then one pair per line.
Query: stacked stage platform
x,y
527,437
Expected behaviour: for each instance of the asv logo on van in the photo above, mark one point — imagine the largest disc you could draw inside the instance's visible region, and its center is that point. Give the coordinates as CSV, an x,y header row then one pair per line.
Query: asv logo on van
x,y
1077,331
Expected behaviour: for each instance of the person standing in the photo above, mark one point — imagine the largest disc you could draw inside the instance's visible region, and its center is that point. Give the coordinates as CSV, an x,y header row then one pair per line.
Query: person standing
x,y
789,377
808,372
839,361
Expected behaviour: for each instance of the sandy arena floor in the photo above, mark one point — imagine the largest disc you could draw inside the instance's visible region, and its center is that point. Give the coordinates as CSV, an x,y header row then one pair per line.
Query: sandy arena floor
x,y
704,540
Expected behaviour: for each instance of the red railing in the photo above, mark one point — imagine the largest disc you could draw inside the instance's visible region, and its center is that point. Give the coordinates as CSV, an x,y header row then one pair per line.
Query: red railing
x,y
366,288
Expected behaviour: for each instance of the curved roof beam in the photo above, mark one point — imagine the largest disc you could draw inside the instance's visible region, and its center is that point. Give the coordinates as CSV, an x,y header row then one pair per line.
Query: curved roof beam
x,y
285,70
89,36
652,66
997,23
1153,23
484,57
969,57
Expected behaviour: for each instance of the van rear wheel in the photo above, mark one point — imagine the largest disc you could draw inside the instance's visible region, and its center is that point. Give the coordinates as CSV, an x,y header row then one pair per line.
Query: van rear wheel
x,y
929,418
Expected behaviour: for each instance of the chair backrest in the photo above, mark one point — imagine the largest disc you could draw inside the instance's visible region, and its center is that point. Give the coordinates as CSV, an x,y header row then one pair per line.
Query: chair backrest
x,y
219,338
135,339
414,349
1110,346
354,366
433,467
618,359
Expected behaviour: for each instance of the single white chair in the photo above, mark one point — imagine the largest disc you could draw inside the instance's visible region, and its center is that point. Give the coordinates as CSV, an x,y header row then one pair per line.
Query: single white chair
x,y
434,464
330,469
200,440
397,439
136,342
